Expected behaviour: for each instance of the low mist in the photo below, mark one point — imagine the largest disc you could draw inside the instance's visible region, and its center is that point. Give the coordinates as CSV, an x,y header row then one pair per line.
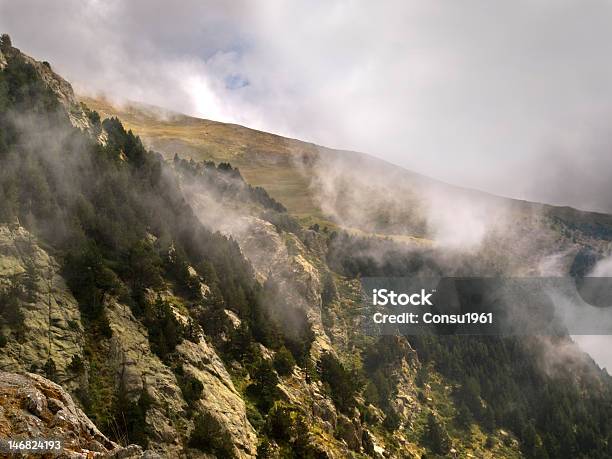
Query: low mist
x,y
513,108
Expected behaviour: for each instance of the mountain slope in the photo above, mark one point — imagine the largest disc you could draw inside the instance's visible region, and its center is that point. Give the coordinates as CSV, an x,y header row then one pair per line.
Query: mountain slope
x,y
186,311
298,174
264,159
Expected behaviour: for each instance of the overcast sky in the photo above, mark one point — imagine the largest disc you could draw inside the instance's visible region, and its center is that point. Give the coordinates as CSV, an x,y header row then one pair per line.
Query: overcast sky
x,y
510,97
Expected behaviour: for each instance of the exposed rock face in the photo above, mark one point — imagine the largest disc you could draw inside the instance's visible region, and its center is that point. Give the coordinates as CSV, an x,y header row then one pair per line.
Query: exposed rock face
x,y
350,432
138,368
63,90
322,416
261,244
51,325
220,398
284,258
34,407
405,403
50,311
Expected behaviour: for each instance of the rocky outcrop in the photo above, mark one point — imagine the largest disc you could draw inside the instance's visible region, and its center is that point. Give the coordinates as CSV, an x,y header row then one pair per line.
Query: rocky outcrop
x,y
62,89
50,327
321,415
350,431
260,243
220,398
138,369
405,401
32,407
284,258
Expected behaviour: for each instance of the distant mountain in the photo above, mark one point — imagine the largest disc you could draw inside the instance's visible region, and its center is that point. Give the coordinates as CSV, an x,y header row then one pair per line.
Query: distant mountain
x,y
198,294
292,170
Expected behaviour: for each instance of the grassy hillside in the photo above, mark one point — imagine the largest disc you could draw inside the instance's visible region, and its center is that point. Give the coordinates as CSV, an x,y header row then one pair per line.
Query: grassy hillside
x,y
286,167
264,159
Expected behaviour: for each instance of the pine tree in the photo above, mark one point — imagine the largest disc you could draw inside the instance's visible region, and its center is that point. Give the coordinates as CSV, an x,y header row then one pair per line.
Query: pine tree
x,y
5,42
30,279
436,436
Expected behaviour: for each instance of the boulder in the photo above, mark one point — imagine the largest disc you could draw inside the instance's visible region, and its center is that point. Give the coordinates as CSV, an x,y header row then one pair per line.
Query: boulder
x,y
32,407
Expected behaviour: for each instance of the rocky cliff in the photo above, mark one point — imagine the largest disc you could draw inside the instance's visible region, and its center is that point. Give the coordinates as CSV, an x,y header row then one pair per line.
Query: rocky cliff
x,y
32,407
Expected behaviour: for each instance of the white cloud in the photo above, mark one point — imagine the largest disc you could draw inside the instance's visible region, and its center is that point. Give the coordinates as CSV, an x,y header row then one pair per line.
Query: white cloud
x,y
513,97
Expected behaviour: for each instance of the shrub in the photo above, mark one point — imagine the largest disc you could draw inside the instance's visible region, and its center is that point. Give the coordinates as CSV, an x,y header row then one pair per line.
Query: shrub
x,y
284,361
265,449
464,416
263,389
392,420
165,331
76,364
134,415
436,437
287,424
10,309
50,370
5,42
343,384
191,387
209,436
328,291
255,417
280,422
